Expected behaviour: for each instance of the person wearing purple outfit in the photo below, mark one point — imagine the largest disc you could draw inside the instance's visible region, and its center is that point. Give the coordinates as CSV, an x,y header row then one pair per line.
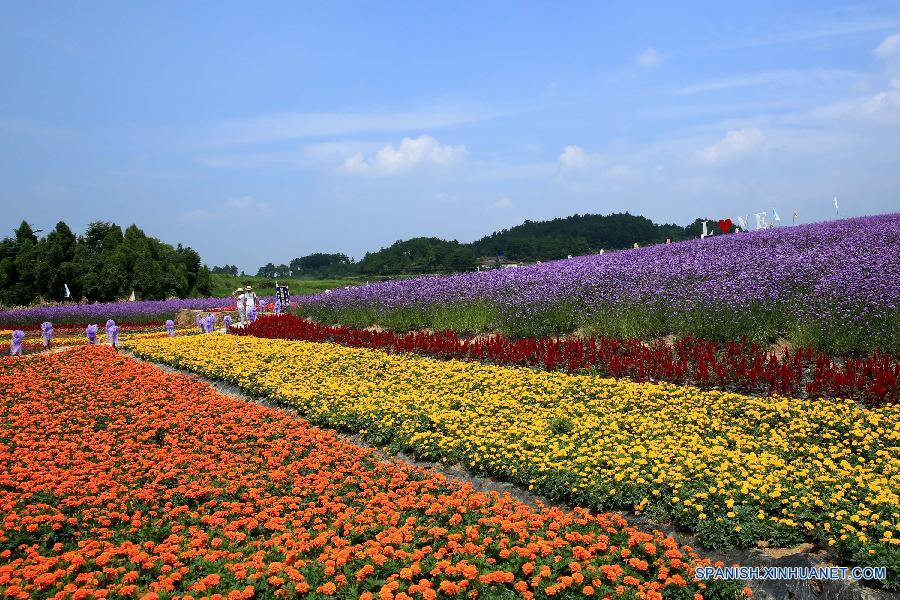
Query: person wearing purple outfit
x,y
15,348
47,333
112,334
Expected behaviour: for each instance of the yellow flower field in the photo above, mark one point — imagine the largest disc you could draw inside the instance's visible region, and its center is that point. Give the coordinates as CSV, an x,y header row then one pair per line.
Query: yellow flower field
x,y
735,469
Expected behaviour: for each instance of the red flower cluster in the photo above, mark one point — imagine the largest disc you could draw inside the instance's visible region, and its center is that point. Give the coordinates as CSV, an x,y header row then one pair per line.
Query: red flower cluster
x,y
120,480
738,366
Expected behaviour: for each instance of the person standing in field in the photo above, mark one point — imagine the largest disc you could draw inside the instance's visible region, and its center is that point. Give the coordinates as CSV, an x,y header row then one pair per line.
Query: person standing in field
x,y
249,299
239,301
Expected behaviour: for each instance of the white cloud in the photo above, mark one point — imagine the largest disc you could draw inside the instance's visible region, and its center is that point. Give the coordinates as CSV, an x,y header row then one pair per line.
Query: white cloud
x,y
778,77
648,58
882,107
576,158
240,207
492,171
833,29
885,103
889,47
410,154
737,143
291,158
266,129
618,174
503,203
248,204
198,215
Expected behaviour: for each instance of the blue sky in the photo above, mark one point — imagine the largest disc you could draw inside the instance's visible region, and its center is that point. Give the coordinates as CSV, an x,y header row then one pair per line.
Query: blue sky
x,y
261,132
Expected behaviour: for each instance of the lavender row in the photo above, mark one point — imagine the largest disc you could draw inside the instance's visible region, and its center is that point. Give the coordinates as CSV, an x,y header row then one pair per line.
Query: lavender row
x,y
132,312
839,279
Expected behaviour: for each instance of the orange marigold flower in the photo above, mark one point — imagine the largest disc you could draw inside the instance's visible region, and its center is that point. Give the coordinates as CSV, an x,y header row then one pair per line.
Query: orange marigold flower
x,y
329,589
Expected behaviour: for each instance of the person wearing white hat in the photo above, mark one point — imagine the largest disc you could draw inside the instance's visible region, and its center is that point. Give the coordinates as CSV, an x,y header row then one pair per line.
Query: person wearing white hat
x,y
249,298
239,301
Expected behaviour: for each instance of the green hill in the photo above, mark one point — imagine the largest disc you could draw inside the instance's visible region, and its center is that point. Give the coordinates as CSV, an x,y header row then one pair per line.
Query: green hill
x,y
529,242
579,234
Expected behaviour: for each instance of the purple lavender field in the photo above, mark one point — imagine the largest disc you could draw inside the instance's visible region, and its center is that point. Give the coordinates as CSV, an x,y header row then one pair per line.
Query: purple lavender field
x,y
128,312
834,285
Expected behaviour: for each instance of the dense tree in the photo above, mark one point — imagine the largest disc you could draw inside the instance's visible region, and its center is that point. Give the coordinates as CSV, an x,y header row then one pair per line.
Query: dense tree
x,y
273,271
581,234
225,270
322,265
54,267
528,242
103,264
418,255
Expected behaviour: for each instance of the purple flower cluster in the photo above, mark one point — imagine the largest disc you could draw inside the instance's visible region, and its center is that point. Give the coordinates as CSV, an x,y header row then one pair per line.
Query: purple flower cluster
x,y
842,272
128,312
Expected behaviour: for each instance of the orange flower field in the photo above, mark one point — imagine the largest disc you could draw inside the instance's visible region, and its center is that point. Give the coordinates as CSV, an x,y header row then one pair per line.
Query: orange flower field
x,y
120,480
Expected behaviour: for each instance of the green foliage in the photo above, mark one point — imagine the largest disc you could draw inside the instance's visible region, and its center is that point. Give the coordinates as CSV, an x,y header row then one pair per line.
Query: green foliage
x,y
102,265
270,270
225,270
224,285
318,266
323,266
532,241
464,318
762,324
561,425
581,234
419,255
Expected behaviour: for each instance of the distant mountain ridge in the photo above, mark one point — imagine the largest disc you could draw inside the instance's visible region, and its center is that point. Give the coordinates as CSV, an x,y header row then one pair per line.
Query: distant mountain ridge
x,y
580,234
529,242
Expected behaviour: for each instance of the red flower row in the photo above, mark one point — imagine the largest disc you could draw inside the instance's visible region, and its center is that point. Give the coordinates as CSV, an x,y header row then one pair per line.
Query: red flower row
x,y
738,366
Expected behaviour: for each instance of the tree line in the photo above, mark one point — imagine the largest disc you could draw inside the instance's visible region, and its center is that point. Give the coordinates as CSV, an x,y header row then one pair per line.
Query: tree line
x,y
529,242
104,264
581,234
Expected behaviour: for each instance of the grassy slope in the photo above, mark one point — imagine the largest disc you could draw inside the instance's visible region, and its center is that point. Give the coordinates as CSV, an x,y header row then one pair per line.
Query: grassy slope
x,y
224,285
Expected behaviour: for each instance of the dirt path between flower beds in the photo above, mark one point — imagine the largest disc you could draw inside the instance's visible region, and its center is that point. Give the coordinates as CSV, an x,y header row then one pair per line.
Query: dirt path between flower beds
x,y
802,556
